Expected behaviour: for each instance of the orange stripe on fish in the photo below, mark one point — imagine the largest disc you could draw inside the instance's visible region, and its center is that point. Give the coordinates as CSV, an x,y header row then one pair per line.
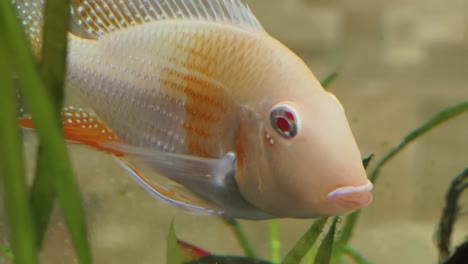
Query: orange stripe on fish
x,y
211,94
206,106
197,112
82,127
199,131
194,88
197,147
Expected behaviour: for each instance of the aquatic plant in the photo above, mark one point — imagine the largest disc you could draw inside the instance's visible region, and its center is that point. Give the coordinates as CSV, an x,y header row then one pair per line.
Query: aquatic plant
x,y
449,215
28,209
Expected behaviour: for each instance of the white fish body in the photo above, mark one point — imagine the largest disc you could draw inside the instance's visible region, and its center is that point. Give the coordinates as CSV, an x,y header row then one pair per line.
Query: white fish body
x,y
198,90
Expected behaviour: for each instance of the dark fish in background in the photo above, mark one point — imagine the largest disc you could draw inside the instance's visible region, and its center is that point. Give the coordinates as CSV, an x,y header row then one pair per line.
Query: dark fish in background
x,y
460,256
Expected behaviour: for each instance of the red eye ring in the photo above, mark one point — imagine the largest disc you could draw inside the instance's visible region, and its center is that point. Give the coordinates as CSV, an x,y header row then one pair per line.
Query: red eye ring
x,y
284,120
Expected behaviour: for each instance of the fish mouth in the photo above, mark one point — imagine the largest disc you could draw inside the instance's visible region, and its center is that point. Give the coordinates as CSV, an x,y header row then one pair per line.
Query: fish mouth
x,y
352,197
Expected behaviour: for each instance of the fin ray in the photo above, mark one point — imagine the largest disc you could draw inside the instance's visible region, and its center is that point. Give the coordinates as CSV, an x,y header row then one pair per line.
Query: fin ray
x,y
166,191
210,181
177,166
31,15
83,127
99,17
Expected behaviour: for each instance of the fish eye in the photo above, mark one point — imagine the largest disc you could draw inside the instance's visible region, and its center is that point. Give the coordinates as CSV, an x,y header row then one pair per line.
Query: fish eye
x,y
284,120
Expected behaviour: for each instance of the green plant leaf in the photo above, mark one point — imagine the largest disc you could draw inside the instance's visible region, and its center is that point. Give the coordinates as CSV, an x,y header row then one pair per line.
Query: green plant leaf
x,y
329,79
173,254
41,106
241,236
12,173
53,68
353,254
275,242
310,256
367,160
213,259
42,194
306,242
6,253
325,249
450,214
54,49
439,118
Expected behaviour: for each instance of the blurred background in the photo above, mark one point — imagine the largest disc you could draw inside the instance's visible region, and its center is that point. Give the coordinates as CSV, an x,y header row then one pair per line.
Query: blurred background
x,y
399,62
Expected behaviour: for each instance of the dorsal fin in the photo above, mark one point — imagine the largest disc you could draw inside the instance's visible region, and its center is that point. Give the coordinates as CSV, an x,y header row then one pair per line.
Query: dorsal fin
x,y
98,17
30,13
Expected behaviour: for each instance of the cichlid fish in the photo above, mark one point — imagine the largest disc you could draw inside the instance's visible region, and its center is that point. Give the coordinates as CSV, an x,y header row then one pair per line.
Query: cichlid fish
x,y
205,109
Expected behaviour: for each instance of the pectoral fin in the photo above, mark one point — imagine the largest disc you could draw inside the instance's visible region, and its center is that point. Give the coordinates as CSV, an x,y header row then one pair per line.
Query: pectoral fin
x,y
166,190
185,169
207,184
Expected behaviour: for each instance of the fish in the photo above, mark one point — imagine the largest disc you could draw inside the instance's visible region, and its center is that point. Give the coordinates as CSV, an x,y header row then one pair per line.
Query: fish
x,y
205,109
190,252
194,254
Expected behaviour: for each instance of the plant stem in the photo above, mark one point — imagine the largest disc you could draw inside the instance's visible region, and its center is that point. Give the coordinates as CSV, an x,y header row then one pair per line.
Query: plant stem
x,y
53,68
173,254
325,250
305,243
439,118
329,79
6,253
275,243
12,173
241,237
353,254
49,132
309,257
449,215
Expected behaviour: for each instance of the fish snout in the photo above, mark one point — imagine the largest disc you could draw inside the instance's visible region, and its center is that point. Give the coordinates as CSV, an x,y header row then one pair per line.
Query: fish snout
x,y
351,197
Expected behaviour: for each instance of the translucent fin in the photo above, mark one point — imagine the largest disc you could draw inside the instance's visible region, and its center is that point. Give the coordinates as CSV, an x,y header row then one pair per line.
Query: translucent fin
x,y
208,184
30,13
167,191
179,167
98,17
83,127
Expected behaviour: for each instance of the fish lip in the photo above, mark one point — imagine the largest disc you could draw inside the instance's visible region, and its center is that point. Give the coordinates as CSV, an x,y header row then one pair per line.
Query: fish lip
x,y
349,198
351,189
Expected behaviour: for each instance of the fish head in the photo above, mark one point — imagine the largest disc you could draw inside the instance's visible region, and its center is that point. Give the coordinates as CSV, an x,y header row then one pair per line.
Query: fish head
x,y
304,161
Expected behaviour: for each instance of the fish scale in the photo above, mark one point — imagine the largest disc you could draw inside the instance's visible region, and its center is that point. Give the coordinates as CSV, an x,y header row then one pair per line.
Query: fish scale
x,y
200,105
139,131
